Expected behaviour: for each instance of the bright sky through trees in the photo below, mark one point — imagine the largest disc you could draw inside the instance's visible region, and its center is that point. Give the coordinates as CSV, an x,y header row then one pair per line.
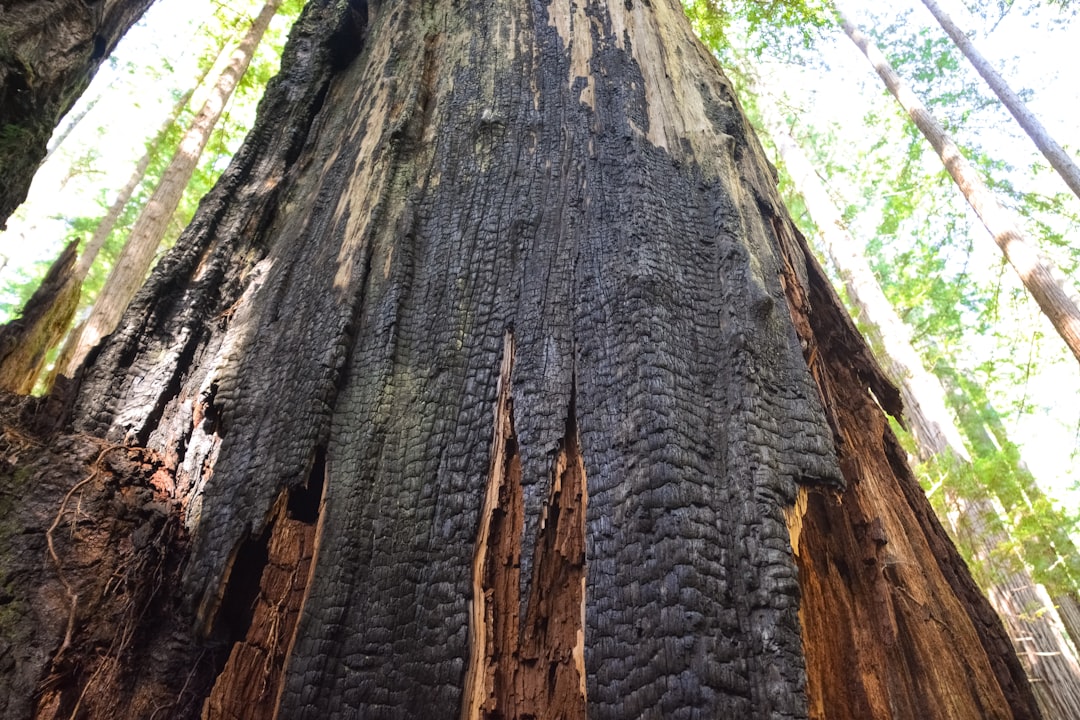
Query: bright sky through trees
x,y
1036,52
135,98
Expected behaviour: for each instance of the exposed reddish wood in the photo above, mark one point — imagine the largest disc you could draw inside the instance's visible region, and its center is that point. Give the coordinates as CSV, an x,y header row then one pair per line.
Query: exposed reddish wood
x,y
875,614
531,663
249,685
115,545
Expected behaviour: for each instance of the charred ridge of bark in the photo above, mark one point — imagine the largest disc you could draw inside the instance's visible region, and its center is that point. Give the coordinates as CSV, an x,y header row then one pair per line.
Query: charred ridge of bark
x,y
193,292
527,660
855,553
26,341
50,52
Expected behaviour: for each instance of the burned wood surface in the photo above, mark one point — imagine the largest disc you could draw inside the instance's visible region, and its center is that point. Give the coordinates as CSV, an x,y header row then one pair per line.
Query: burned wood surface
x,y
504,291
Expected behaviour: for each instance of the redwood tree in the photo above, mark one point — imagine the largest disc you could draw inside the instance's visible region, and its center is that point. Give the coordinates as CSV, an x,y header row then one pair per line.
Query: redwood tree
x,y
492,380
49,51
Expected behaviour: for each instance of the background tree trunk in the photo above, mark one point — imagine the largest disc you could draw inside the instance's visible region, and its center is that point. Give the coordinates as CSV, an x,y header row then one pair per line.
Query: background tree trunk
x,y
1039,276
26,341
1051,150
49,51
142,243
481,383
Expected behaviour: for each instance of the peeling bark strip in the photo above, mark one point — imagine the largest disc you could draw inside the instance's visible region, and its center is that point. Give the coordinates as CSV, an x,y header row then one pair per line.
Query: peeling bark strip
x,y
528,664
883,590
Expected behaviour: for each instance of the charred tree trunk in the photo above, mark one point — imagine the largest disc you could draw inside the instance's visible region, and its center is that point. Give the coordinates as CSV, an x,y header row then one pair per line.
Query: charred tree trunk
x,y
492,380
49,51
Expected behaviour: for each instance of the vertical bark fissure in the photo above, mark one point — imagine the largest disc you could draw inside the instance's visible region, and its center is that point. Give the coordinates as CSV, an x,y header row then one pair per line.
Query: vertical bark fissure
x,y
528,661
872,610
269,599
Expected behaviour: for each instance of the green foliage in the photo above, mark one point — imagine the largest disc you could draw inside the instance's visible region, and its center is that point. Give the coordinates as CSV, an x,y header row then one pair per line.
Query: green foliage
x,y
790,23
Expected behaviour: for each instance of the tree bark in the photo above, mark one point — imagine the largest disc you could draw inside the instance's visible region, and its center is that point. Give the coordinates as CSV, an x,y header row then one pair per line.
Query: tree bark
x,y
49,51
1027,611
499,301
142,243
1051,150
1038,275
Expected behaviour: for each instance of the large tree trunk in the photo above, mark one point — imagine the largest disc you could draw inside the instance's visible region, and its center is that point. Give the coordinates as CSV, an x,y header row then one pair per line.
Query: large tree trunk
x,y
1029,615
1051,150
1042,280
481,383
141,246
49,51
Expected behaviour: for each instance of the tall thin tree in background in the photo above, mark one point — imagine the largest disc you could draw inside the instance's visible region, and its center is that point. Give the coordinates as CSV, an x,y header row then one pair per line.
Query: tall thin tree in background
x,y
1038,275
47,317
1037,631
1054,153
145,237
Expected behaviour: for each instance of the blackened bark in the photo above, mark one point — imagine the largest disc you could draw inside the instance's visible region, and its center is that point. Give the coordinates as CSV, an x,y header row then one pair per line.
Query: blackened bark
x,y
49,51
574,186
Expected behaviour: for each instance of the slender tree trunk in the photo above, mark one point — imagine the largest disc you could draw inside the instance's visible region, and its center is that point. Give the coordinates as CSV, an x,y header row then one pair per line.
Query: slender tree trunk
x,y
26,341
1054,153
49,51
145,237
493,381
108,222
1039,276
1030,616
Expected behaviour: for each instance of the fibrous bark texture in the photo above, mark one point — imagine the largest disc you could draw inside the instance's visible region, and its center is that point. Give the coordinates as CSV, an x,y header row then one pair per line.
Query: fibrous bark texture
x,y
26,341
1029,616
49,51
512,280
